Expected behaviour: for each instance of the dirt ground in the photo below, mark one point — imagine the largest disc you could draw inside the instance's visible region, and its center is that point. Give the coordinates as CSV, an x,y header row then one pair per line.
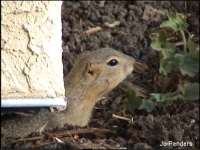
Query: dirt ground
x,y
145,130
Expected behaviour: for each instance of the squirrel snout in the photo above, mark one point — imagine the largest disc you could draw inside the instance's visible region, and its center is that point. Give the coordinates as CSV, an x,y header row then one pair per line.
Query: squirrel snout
x,y
131,61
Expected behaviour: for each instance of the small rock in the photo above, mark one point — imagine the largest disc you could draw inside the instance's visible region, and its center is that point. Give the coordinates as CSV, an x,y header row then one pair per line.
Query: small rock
x,y
144,58
142,146
152,53
122,141
100,135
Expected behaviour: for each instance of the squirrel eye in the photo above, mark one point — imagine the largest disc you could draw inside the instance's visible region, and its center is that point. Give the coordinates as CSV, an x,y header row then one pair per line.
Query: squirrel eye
x,y
112,62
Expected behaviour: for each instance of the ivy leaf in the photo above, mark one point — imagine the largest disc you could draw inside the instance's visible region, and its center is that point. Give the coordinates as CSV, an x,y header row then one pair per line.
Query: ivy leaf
x,y
166,99
160,43
188,65
167,54
166,65
176,22
148,105
157,96
133,101
193,50
190,91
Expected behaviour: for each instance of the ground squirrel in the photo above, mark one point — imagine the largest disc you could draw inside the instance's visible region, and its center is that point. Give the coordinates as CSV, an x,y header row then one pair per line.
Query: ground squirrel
x,y
93,75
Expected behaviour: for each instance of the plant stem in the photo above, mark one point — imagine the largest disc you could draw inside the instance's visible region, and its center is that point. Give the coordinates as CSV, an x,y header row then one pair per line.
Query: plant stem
x,y
184,41
179,43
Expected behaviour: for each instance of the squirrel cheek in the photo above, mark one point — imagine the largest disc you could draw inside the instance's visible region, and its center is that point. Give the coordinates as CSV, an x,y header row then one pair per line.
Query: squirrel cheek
x,y
126,70
129,69
111,85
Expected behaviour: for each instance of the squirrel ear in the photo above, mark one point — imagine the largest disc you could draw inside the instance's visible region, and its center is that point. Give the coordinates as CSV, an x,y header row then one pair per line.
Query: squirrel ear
x,y
92,70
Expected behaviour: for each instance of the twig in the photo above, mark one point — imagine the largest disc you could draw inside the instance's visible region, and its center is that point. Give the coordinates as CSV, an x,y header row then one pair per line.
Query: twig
x,y
190,35
24,114
122,118
179,44
185,5
123,112
27,139
116,23
92,30
80,131
43,127
70,135
57,140
184,40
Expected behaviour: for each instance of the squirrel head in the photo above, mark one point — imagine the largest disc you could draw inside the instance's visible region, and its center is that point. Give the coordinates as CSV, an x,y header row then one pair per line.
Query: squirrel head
x,y
99,71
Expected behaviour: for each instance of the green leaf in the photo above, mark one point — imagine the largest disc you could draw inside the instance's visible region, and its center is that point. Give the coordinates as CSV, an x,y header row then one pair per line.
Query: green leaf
x,y
166,99
193,50
157,96
176,22
133,101
188,65
166,65
190,91
167,54
148,105
160,43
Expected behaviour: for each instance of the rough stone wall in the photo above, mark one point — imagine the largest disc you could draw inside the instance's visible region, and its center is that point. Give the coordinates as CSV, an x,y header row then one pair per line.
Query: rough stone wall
x,y
31,52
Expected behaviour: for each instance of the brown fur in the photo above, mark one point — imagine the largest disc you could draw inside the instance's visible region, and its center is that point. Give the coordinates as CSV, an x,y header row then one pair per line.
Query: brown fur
x,y
90,78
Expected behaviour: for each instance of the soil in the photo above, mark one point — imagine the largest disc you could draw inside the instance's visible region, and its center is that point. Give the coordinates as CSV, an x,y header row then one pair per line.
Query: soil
x,y
138,19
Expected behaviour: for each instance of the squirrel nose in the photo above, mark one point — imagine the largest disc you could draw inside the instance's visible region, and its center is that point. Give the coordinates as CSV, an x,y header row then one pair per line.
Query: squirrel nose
x,y
132,60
